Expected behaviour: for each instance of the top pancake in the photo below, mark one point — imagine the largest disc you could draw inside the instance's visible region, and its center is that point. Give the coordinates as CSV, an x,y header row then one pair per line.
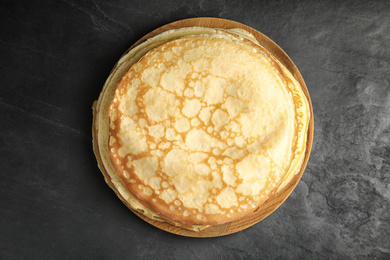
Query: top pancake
x,y
204,129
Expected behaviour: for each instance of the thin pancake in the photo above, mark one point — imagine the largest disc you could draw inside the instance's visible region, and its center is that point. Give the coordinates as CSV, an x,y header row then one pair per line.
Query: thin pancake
x,y
250,160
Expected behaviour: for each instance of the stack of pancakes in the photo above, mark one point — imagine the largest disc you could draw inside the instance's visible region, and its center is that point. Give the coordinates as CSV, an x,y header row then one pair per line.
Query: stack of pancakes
x,y
198,127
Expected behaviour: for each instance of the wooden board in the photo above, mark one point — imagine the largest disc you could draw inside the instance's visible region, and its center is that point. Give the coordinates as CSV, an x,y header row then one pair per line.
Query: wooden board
x,y
272,204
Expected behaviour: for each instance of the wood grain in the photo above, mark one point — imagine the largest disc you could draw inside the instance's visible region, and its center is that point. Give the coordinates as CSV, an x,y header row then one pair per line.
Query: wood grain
x,y
272,204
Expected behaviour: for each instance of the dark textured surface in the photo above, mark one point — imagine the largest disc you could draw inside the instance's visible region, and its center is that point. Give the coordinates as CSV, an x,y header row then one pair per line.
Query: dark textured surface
x,y
54,203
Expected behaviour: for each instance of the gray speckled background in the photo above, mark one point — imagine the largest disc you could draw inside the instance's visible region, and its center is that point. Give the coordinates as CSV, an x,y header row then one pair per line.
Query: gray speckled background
x,y
54,59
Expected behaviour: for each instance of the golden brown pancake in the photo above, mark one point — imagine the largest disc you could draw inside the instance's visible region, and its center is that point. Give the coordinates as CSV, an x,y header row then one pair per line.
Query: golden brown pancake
x,y
199,127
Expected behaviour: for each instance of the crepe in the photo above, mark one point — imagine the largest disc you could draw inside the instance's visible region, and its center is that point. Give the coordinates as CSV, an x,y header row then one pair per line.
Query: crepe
x,y
199,126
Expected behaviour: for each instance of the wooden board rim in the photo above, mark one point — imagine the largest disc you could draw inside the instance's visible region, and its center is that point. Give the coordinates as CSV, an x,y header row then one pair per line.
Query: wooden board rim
x,y
271,205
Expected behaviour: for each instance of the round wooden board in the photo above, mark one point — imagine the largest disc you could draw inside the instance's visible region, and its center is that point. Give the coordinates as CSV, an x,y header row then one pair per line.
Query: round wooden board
x,y
272,204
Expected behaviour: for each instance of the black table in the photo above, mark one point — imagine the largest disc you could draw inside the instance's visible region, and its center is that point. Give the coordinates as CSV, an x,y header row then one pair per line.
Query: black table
x,y
55,58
